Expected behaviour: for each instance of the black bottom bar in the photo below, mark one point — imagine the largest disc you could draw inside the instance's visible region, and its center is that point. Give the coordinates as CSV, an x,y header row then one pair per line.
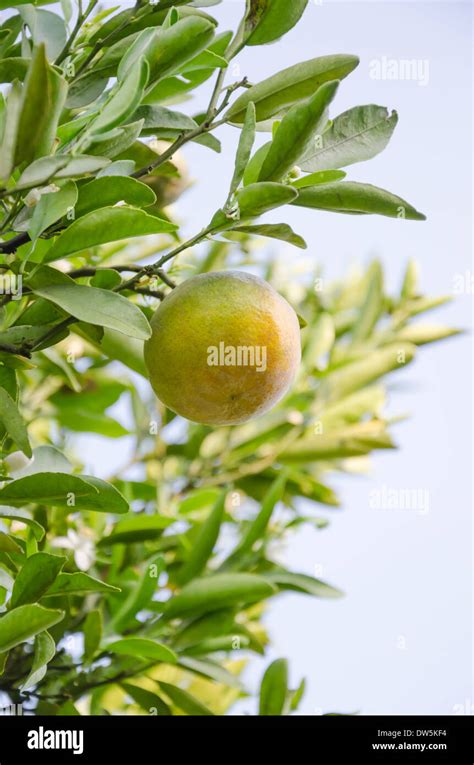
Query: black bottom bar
x,y
316,739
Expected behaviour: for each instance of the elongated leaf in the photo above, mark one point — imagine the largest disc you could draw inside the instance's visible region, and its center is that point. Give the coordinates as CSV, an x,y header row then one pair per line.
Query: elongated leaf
x,y
167,50
280,231
25,622
212,670
125,98
324,176
162,121
140,594
43,99
36,575
350,197
204,543
287,580
422,333
218,591
97,306
108,190
45,650
8,544
92,634
268,20
52,207
110,224
48,168
144,648
46,28
10,129
258,527
274,688
355,136
13,422
55,489
244,150
78,584
14,68
184,700
136,529
278,93
21,516
365,371
295,133
372,306
146,699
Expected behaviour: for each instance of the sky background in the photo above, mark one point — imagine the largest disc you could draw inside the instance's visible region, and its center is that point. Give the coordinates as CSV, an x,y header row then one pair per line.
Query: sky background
x,y
400,641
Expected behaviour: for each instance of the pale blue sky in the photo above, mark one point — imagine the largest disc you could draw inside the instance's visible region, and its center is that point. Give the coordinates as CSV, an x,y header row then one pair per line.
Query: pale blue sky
x,y
400,641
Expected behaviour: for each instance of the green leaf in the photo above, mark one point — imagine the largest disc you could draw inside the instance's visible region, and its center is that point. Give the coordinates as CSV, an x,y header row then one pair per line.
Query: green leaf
x,y
51,208
325,176
203,544
8,544
278,93
25,622
97,306
92,634
274,688
43,98
287,580
372,306
184,700
137,528
46,28
163,122
144,648
21,516
140,594
13,422
56,489
350,197
211,669
295,133
36,575
258,527
115,142
13,68
108,190
167,50
109,224
246,141
125,98
218,591
280,231
268,20
78,584
147,700
45,650
106,499
61,166
254,200
421,333
354,136
365,371
10,129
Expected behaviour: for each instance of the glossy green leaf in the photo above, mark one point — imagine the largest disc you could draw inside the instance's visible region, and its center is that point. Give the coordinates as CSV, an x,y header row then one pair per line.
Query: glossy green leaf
x,y
268,20
150,702
21,516
144,648
55,489
280,231
244,150
136,529
124,99
61,166
45,650
184,700
274,688
35,577
288,580
14,68
43,98
372,306
46,29
10,128
92,634
52,207
218,591
275,95
354,136
258,527
78,583
109,224
140,594
324,176
13,422
25,622
295,133
350,197
204,543
109,190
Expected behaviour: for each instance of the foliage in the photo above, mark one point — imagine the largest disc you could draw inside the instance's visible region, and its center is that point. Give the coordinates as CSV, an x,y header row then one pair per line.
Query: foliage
x,y
139,592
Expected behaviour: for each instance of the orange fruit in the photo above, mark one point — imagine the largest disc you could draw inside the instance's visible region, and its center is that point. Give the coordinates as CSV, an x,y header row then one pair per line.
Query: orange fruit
x,y
224,348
